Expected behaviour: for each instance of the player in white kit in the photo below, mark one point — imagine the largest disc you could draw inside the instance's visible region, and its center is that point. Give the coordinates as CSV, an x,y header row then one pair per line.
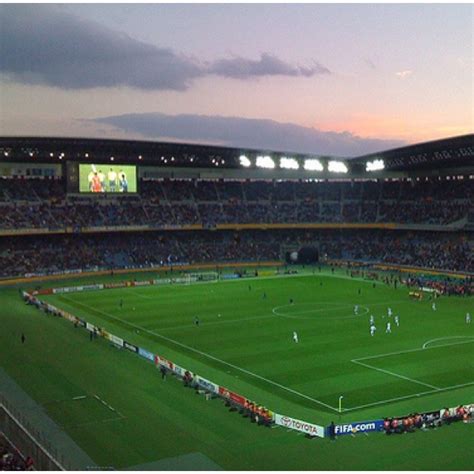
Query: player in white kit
x,y
397,320
388,328
295,336
433,306
468,318
389,312
372,329
356,309
372,319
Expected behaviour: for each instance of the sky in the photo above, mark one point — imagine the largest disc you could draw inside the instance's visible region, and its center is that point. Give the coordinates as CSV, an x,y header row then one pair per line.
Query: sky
x,y
334,79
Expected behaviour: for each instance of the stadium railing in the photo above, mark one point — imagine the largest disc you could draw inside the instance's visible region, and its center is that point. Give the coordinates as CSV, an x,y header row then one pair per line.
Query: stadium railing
x,y
21,432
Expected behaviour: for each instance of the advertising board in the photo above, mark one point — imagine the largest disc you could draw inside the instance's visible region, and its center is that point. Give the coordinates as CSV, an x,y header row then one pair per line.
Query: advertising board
x,y
146,354
359,427
130,347
207,384
298,425
116,340
235,397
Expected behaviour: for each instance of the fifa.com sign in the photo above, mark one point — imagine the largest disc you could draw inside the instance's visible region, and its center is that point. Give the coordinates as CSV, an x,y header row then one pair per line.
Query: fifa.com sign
x,y
362,427
298,425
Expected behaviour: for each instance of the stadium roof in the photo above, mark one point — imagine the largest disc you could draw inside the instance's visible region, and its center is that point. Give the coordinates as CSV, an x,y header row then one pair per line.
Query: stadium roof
x,y
440,154
448,152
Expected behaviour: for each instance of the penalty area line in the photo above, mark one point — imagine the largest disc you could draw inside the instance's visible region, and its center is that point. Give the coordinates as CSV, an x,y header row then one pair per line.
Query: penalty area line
x,y
355,361
407,351
209,356
111,408
406,397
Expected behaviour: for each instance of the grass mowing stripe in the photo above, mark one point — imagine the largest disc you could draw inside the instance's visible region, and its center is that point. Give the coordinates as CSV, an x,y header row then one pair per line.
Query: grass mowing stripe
x,y
197,351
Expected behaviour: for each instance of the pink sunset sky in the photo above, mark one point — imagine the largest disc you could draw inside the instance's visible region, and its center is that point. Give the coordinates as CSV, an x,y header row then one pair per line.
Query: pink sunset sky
x,y
341,79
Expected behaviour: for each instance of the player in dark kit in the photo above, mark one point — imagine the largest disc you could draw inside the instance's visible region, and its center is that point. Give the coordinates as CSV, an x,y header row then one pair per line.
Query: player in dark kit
x,y
196,321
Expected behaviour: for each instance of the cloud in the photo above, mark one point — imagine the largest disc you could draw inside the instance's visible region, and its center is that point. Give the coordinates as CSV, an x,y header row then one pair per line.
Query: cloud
x,y
41,44
267,65
370,63
246,133
404,74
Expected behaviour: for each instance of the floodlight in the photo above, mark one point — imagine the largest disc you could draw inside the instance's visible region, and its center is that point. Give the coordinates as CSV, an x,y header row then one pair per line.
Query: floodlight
x,y
313,165
337,167
244,161
289,163
375,165
265,162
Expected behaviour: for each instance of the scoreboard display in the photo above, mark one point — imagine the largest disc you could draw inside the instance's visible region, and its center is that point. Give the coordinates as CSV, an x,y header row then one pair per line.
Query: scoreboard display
x,y
97,178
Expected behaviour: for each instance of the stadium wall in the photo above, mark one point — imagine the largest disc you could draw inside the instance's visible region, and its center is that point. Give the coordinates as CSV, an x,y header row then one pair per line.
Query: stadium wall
x,y
170,268
400,268
249,226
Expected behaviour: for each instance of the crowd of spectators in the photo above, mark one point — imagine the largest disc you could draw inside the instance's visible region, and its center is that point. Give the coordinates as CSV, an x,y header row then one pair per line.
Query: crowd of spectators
x,y
60,253
422,249
445,286
425,421
43,203
11,459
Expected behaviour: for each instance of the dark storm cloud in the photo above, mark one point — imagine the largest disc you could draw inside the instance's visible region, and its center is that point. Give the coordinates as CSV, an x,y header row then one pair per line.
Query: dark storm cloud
x,y
243,132
43,45
267,65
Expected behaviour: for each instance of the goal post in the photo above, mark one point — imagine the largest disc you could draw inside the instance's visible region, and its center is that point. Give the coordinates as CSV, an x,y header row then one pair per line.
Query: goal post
x,y
203,276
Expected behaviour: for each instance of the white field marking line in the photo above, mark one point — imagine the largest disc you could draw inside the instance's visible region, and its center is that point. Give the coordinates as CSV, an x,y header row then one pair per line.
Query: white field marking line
x,y
80,397
338,306
395,374
144,296
288,316
107,420
425,345
204,323
197,351
105,403
377,356
243,280
160,297
428,392
365,306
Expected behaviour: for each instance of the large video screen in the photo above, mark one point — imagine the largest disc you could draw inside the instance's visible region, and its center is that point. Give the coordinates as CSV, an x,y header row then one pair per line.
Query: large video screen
x,y
107,178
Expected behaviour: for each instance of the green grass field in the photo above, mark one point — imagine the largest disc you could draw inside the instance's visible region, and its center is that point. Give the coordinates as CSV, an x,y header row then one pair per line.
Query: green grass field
x,y
244,342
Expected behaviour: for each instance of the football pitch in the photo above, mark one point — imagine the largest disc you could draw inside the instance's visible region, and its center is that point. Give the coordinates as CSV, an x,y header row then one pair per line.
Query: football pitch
x,y
116,407
240,334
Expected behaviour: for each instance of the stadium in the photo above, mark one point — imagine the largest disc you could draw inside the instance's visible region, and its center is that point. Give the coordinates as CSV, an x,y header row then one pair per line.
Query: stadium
x,y
172,306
